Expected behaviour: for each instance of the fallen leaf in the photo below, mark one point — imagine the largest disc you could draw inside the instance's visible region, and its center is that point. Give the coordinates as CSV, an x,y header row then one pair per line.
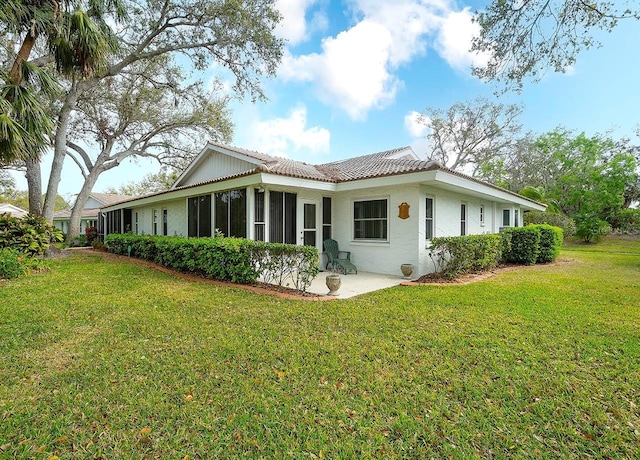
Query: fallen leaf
x,y
41,449
62,439
145,430
188,398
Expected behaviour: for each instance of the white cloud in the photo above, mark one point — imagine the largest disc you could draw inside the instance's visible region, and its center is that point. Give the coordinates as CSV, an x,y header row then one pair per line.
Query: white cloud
x,y
282,136
416,124
453,43
356,70
293,27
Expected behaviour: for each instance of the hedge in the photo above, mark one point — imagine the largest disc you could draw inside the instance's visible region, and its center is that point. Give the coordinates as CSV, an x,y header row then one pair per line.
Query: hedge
x,y
566,223
521,245
550,243
455,255
226,259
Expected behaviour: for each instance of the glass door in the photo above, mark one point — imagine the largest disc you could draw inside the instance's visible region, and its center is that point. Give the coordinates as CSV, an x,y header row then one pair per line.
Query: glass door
x,y
309,234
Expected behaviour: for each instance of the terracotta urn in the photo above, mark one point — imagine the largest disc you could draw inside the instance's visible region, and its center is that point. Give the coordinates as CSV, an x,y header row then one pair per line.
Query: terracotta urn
x,y
333,283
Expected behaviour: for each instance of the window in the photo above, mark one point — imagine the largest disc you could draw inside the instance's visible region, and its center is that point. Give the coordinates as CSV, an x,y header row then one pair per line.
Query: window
x,y
231,212
155,221
165,222
282,217
137,232
506,217
482,215
428,229
199,215
258,208
370,220
326,218
516,218
463,219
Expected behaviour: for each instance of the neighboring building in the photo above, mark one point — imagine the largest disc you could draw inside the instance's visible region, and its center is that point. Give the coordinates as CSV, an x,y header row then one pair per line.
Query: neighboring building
x,y
89,212
13,210
383,207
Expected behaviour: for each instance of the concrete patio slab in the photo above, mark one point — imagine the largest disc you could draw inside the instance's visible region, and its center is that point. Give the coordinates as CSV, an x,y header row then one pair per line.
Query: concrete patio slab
x,y
353,285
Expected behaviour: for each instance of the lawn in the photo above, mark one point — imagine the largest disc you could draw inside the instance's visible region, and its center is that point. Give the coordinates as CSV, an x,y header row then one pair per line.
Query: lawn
x,y
104,359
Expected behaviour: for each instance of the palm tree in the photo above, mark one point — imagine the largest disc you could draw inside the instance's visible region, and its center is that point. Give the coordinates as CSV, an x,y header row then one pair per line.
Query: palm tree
x,y
78,43
539,194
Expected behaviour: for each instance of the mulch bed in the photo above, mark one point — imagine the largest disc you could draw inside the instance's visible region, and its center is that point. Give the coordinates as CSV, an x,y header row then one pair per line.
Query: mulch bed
x,y
468,278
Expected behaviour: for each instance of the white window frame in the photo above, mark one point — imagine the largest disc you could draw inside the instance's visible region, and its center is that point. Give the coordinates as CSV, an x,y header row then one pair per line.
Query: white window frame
x,y
432,219
464,219
508,224
353,220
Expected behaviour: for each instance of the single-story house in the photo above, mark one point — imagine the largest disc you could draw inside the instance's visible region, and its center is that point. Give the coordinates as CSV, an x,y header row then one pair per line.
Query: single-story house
x,y
13,210
384,207
89,212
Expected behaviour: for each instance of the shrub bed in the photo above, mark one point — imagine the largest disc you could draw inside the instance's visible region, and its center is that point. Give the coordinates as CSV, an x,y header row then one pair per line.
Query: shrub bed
x,y
226,259
30,235
453,256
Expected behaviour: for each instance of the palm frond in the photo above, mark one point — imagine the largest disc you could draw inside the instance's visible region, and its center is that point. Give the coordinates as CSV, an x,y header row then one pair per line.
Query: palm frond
x,y
41,78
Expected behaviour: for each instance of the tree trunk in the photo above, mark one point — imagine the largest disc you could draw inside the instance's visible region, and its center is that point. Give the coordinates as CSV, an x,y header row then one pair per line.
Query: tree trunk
x,y
59,153
15,75
81,200
34,185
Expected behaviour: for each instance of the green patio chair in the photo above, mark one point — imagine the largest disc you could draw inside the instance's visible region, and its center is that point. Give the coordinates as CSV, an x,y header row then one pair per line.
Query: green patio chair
x,y
338,260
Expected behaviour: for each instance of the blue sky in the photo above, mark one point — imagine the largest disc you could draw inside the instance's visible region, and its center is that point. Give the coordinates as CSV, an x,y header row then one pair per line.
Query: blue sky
x,y
356,71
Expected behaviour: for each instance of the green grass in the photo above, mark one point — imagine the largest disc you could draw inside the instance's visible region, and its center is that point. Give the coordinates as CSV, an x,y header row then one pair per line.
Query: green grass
x,y
113,360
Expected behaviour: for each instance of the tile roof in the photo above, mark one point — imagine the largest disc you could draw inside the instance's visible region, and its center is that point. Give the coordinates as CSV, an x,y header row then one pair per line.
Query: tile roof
x,y
380,164
362,167
109,199
86,213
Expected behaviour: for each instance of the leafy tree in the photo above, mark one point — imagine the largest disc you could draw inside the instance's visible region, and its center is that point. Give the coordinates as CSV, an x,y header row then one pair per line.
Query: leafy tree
x,y
150,183
469,134
590,174
524,38
232,35
145,112
20,198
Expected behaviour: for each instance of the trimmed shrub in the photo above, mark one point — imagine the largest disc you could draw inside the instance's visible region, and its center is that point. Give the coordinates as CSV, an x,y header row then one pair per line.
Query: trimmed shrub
x,y
227,259
455,255
30,235
521,245
550,243
566,223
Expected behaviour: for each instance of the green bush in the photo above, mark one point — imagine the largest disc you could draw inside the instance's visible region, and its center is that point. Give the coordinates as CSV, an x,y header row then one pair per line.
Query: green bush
x,y
521,245
227,259
12,263
590,228
550,243
455,255
30,234
566,223
627,221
